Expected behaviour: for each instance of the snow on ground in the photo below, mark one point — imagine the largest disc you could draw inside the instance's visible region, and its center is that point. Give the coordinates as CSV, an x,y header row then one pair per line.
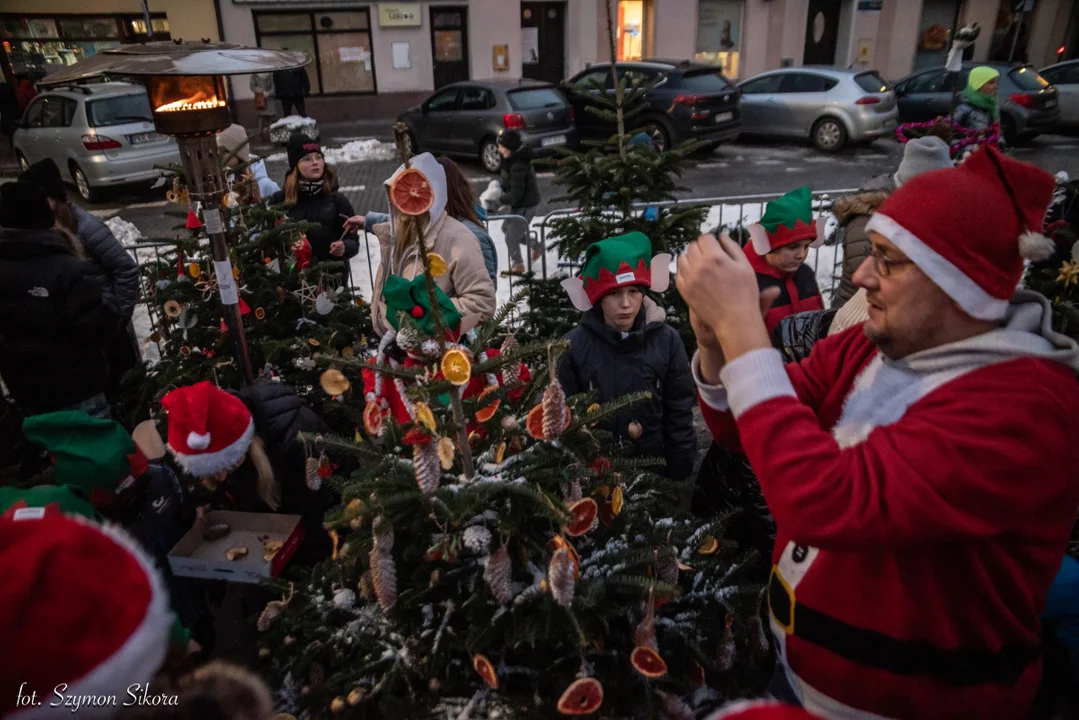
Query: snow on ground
x,y
292,122
354,151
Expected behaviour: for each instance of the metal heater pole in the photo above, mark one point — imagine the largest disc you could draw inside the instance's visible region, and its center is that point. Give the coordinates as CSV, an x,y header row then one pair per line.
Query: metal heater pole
x,y
199,156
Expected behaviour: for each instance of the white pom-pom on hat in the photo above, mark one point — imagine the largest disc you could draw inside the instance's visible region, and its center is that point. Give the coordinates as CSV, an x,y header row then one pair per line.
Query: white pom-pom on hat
x,y
1035,246
198,441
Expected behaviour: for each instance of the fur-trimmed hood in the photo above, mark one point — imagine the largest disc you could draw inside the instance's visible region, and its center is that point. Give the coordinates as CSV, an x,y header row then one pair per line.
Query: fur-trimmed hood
x,y
868,198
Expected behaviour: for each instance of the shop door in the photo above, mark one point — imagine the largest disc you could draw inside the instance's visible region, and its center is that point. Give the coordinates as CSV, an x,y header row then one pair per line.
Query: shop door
x,y
449,44
543,46
822,32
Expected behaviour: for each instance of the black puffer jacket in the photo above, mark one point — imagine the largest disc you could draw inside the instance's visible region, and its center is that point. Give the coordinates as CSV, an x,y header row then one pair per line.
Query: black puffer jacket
x,y
651,358
330,210
118,270
54,322
520,189
291,83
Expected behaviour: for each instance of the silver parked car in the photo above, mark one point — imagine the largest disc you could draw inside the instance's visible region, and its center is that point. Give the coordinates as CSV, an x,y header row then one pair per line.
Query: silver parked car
x,y
1065,78
101,134
831,106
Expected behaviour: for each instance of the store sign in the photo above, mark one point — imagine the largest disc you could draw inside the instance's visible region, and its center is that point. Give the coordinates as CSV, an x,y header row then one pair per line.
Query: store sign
x,y
399,15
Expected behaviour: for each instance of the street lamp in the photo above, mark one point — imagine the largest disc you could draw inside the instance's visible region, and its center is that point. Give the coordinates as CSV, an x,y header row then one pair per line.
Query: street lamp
x,y
186,86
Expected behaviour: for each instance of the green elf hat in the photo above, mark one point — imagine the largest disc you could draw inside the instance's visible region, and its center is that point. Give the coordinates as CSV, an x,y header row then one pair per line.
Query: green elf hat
x,y
787,220
95,457
37,502
616,262
410,297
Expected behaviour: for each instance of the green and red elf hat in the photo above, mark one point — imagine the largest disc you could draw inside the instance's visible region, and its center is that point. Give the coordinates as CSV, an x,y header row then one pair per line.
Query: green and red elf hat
x,y
620,261
787,220
410,297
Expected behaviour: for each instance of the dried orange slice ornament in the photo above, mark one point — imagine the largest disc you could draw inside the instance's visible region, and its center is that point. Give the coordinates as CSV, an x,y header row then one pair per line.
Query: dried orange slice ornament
x,y
583,514
647,662
486,413
616,500
372,418
410,192
334,382
438,264
456,367
486,670
425,417
534,422
583,697
709,546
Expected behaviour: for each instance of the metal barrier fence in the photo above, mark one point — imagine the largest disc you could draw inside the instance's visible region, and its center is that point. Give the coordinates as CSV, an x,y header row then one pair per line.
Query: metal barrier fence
x,y
734,211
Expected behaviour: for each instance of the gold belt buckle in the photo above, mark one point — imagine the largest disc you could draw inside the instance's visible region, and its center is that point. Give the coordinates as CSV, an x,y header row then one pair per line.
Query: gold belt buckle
x,y
788,627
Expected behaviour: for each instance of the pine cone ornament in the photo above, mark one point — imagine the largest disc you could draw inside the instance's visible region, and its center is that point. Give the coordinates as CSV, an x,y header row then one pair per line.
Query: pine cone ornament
x,y
572,492
498,574
560,577
384,579
383,534
409,339
511,372
477,539
672,707
427,466
554,410
367,586
667,566
270,614
314,482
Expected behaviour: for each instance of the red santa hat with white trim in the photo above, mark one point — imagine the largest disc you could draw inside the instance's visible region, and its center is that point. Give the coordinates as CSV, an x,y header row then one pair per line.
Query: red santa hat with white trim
x,y
209,429
761,710
970,227
83,606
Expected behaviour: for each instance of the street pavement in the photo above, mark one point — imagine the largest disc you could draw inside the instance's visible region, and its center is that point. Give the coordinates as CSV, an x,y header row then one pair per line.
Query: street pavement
x,y
745,168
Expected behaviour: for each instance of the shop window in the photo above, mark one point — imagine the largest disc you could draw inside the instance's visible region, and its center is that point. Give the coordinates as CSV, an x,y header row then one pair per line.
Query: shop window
x,y
160,26
103,28
338,43
629,40
1011,35
719,34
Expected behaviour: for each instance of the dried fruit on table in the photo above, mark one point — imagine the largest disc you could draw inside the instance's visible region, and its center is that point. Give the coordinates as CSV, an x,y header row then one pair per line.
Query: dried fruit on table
x,y
457,367
411,193
582,697
647,662
270,549
372,418
486,670
236,553
582,516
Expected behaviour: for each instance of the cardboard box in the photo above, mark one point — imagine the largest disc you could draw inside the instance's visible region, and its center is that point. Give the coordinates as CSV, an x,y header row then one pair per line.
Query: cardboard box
x,y
194,556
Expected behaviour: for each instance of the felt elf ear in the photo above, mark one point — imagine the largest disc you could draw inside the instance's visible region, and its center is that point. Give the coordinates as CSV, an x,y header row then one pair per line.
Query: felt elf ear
x,y
661,272
759,237
574,287
822,231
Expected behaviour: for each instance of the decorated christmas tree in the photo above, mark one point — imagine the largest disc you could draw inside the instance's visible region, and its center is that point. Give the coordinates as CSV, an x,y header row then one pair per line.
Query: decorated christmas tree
x,y
300,316
492,558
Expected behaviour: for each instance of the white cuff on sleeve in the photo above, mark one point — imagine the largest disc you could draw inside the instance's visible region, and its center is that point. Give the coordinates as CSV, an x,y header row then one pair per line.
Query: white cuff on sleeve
x,y
714,396
756,377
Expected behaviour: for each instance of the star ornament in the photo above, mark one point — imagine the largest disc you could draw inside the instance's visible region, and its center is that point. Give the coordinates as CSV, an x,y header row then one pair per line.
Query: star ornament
x,y
1069,273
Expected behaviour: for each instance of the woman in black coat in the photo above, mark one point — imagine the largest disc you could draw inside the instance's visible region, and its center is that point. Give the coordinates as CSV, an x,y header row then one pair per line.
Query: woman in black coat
x,y
55,321
310,194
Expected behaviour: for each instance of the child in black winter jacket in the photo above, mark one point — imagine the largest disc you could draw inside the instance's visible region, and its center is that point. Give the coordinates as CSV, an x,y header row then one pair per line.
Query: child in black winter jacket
x,y
623,345
520,192
310,194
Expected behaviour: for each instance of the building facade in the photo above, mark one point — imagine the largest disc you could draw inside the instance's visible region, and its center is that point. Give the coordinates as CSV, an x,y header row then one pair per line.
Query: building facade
x,y
373,59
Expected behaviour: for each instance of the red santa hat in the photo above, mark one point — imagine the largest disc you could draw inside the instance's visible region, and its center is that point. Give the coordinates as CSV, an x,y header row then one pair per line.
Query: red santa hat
x,y
209,430
761,710
83,606
969,228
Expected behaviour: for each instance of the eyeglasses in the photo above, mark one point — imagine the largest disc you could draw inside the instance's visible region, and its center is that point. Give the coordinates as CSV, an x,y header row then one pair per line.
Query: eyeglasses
x,y
884,264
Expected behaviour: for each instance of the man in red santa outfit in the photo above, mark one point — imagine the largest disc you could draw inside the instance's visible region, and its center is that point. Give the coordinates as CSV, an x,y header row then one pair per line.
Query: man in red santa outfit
x,y
925,483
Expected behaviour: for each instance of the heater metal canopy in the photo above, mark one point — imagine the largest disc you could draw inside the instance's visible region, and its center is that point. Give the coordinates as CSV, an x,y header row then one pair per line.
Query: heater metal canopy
x,y
170,57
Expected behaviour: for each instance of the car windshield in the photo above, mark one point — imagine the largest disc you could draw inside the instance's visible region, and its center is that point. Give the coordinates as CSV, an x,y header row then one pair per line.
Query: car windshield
x,y
537,98
119,110
871,82
1027,78
705,81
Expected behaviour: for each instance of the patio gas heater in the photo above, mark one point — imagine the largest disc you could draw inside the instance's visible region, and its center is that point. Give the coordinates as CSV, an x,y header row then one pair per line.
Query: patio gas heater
x,y
186,87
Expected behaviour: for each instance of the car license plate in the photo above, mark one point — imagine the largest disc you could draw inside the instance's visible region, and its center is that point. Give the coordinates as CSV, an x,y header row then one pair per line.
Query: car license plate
x,y
723,117
143,138
553,140
1050,103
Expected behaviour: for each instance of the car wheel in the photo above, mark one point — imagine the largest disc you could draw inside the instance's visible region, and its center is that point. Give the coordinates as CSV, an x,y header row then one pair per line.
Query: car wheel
x,y
829,135
660,135
24,164
86,192
489,155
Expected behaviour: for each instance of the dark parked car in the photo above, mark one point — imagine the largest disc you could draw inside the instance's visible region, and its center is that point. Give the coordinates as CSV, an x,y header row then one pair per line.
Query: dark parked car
x,y
1029,105
689,101
1065,78
465,118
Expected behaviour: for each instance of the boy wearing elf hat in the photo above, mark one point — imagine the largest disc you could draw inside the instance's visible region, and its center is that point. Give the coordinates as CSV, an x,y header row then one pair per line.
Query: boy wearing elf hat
x,y
778,247
623,345
926,486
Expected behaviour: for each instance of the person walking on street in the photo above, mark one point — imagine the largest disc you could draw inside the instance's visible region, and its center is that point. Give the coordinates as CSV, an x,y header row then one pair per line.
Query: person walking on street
x,y
55,322
905,583
291,87
25,91
311,194
466,280
261,85
853,211
520,191
623,345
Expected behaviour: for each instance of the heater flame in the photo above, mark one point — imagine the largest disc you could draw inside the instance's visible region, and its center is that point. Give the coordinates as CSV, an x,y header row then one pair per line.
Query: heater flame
x,y
193,103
